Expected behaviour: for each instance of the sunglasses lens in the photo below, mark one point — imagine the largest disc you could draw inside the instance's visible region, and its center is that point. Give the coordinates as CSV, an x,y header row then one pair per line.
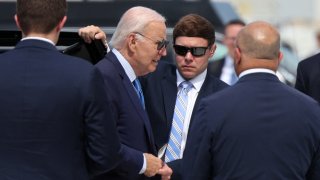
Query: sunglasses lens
x,y
180,50
198,51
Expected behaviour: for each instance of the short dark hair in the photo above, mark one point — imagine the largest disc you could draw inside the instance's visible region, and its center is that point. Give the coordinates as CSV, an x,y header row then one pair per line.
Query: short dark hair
x,y
235,22
193,25
40,16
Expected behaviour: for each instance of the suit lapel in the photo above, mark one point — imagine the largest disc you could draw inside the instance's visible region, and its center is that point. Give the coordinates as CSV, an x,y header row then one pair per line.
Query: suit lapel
x,y
169,95
206,89
133,98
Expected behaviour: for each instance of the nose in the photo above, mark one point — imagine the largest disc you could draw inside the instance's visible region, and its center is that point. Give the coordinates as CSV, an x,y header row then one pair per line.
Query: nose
x,y
163,51
188,56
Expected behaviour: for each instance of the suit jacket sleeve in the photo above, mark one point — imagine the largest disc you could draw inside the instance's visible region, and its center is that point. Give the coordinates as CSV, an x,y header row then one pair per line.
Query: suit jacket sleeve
x,y
197,159
102,141
132,159
300,82
314,171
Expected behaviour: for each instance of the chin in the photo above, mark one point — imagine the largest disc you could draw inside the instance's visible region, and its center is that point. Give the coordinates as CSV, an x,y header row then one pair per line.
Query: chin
x,y
152,69
188,76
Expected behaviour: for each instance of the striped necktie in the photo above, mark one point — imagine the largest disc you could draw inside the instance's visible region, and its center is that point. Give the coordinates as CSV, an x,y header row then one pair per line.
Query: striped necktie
x,y
174,146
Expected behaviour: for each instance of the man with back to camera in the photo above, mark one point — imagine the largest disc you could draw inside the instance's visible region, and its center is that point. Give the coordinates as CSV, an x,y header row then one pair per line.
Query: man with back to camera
x,y
138,42
194,44
55,120
259,128
224,68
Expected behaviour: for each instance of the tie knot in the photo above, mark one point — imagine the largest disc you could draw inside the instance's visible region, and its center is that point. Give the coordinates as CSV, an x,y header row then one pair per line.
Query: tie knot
x,y
186,86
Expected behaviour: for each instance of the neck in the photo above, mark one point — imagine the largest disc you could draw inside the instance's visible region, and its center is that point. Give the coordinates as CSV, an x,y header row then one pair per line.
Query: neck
x,y
129,57
51,36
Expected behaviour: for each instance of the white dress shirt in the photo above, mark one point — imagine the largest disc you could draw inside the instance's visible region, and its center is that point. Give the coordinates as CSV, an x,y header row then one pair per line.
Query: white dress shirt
x,y
256,70
197,83
39,38
228,74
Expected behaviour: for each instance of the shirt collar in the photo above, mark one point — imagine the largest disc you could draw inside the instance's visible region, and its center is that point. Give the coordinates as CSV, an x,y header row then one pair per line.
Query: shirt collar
x,y
229,61
256,70
125,64
196,82
38,38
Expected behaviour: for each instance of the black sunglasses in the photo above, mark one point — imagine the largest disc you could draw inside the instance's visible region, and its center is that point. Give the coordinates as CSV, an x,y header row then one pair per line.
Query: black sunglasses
x,y
195,51
160,44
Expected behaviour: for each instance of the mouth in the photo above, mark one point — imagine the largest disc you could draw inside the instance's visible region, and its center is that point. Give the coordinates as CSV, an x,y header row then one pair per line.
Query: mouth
x,y
155,61
187,67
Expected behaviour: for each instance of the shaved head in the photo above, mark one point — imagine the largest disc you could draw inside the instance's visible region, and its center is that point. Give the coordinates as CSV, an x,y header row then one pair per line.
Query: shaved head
x,y
259,40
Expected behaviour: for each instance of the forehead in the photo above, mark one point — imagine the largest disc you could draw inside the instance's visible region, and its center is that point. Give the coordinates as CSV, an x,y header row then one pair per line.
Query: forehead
x,y
156,29
234,28
191,41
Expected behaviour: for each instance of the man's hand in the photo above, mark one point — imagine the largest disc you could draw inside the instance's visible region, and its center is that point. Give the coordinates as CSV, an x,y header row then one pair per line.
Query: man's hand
x,y
153,165
165,172
91,32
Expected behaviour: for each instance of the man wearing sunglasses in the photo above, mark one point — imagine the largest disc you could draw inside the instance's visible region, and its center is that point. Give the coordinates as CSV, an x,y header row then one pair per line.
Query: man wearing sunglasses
x,y
194,44
138,44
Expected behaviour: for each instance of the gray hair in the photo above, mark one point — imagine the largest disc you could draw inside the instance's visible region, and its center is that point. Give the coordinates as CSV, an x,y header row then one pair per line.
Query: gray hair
x,y
134,20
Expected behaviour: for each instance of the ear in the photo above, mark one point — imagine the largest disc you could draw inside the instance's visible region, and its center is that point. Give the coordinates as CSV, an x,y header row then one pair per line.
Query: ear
x,y
280,56
213,49
16,19
61,23
237,55
132,41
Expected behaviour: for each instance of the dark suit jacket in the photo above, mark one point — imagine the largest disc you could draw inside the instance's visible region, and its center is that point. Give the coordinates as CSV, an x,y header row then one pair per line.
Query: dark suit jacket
x,y
132,121
308,74
215,67
160,91
258,129
54,113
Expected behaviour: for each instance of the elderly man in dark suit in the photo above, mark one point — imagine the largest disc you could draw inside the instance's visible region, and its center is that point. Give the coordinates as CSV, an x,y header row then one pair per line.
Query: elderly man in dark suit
x,y
55,119
308,73
259,128
139,42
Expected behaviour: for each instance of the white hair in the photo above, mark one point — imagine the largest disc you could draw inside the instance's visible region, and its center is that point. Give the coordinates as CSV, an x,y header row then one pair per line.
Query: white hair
x,y
134,20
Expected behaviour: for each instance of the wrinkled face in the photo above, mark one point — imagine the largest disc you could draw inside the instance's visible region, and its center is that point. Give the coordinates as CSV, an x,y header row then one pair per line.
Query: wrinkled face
x,y
230,35
147,52
190,65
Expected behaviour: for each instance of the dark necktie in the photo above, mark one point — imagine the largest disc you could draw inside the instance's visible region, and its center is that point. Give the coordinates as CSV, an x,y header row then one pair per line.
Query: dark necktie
x,y
138,89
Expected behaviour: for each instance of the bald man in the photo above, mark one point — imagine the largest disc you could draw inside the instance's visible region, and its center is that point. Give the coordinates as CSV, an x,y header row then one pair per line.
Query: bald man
x,y
258,129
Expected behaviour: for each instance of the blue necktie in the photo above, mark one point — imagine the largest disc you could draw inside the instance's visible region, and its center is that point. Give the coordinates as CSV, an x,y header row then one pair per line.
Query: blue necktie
x,y
138,89
174,146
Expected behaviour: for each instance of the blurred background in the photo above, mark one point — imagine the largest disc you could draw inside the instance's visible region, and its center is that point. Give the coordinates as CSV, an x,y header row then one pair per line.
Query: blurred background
x,y
297,21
